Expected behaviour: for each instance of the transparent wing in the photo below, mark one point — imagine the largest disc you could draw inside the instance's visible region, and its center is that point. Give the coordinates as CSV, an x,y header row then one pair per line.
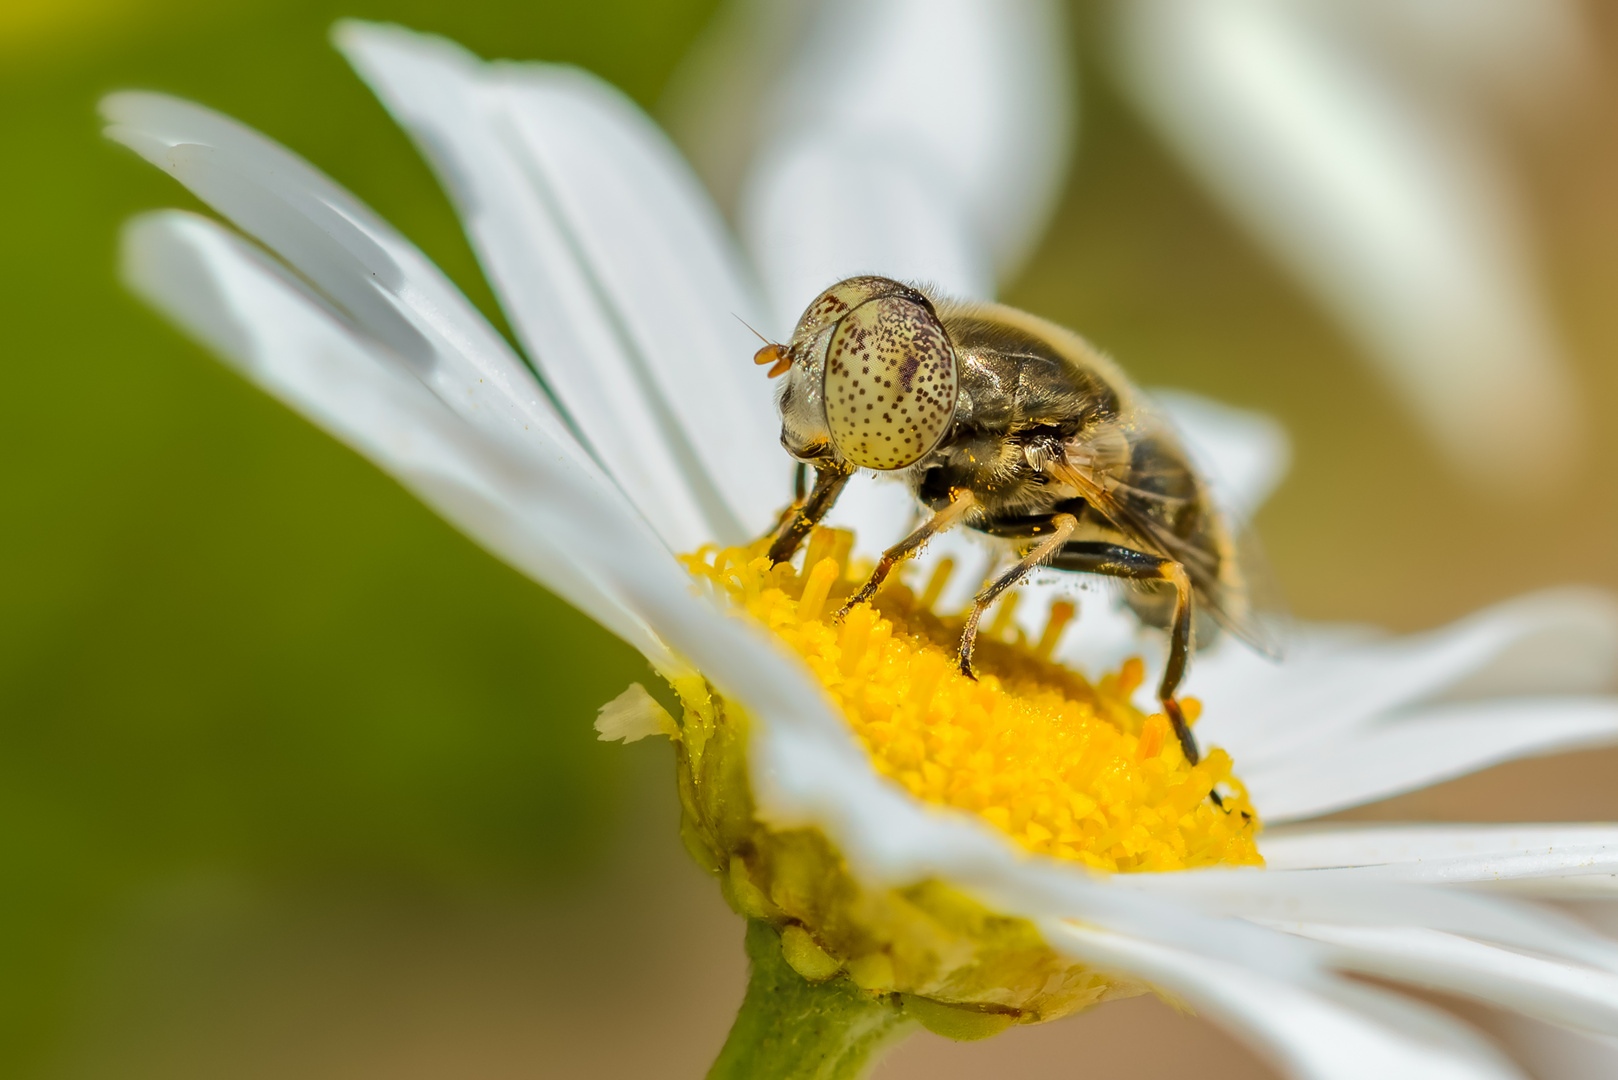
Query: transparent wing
x,y
1134,472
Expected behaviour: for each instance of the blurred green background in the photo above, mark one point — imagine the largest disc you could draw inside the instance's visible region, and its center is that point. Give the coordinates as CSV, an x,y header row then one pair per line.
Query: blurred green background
x,y
234,657
296,781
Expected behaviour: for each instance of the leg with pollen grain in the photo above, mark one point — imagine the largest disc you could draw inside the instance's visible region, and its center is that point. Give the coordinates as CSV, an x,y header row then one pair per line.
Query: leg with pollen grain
x,y
960,503
1113,560
1061,526
804,514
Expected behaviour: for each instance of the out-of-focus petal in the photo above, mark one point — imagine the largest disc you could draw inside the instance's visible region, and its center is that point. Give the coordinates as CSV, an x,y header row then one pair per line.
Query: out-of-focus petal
x,y
1525,54
1303,1030
1563,861
532,502
1397,217
1426,747
922,139
612,264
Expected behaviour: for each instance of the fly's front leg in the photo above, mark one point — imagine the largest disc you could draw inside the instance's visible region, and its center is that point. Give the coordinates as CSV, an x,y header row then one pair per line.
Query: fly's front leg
x,y
961,501
1114,560
1061,527
805,514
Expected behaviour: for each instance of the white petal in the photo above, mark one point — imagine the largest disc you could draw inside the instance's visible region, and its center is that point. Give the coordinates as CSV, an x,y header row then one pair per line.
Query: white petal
x,y
1424,748
1243,454
378,279
1302,1030
612,265
922,139
1353,898
527,506
1547,990
1337,680
1544,860
1394,214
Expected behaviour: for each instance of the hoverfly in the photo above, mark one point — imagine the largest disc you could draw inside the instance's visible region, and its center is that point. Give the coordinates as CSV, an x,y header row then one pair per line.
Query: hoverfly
x,y
1009,425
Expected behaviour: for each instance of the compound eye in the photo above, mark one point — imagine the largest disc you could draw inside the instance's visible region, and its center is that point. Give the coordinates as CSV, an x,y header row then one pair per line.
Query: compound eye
x,y
890,384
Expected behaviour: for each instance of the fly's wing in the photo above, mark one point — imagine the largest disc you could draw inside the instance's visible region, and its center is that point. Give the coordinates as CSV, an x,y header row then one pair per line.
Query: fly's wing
x,y
1134,472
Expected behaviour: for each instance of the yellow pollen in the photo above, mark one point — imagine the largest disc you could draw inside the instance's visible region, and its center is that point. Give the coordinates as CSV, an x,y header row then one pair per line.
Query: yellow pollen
x,y
1066,767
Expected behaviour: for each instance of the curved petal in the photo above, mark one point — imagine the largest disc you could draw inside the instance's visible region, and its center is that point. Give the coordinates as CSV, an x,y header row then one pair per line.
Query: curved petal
x,y
524,502
1563,861
380,281
1348,898
1303,1030
1424,748
1544,989
613,266
920,139
1394,213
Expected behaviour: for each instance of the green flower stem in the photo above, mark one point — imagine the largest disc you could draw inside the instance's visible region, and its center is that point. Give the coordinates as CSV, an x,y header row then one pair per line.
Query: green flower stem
x,y
793,1029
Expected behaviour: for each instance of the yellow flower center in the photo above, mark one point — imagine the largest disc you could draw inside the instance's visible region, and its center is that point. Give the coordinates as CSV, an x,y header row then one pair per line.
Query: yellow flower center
x,y
1066,767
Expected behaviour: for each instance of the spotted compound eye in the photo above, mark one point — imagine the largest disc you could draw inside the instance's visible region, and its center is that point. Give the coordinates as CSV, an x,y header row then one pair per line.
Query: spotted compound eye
x,y
890,384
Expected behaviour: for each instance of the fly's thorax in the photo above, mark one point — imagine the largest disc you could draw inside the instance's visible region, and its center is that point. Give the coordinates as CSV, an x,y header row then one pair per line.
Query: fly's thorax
x,y
873,380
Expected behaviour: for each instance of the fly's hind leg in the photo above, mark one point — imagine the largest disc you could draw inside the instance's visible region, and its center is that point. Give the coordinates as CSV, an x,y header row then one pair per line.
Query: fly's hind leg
x,y
805,513
1061,527
1114,560
961,501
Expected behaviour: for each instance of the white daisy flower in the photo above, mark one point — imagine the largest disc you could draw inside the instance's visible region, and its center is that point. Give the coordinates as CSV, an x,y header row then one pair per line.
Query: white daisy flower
x,y
885,894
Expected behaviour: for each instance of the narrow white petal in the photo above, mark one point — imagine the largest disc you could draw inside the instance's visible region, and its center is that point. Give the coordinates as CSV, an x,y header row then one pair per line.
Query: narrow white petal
x,y
1352,898
1542,860
1547,990
1302,1029
527,503
1393,213
376,277
920,139
1338,680
1244,454
1425,747
613,266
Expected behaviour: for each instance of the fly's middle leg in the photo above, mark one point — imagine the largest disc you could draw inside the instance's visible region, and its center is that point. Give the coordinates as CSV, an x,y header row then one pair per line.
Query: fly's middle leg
x,y
1114,560
1061,527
